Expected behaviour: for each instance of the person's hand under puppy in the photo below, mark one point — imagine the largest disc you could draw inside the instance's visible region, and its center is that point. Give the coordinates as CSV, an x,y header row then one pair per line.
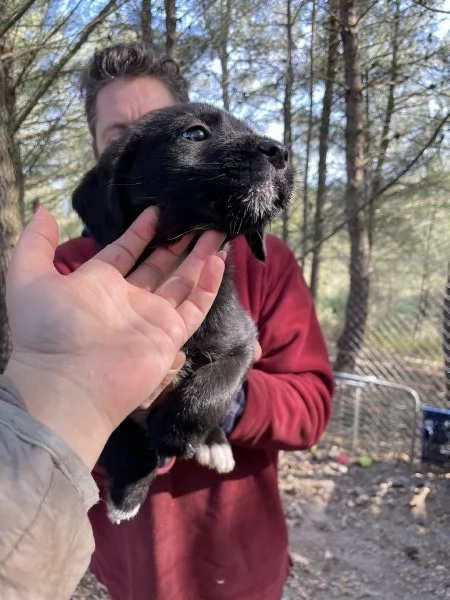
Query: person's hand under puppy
x,y
77,338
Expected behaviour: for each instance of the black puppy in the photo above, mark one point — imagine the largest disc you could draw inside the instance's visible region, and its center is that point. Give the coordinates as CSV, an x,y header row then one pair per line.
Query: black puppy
x,y
204,169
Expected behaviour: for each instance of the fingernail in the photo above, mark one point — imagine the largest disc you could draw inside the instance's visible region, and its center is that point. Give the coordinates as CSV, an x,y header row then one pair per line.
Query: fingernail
x,y
223,255
39,211
152,210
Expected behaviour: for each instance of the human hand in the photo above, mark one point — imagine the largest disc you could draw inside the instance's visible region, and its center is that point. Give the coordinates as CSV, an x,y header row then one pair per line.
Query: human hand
x,y
90,347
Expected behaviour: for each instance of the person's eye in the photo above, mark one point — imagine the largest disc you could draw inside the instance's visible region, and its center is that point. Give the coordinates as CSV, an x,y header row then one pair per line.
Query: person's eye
x,y
115,133
111,137
196,134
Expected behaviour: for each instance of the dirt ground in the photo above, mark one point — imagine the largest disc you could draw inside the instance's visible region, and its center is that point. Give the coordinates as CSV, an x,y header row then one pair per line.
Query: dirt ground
x,y
359,533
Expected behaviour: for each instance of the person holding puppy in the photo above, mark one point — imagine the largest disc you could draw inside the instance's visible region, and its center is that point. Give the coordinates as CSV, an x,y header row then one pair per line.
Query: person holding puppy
x,y
200,535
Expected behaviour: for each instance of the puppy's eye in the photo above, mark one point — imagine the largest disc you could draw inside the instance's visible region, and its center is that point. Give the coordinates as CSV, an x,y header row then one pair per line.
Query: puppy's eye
x,y
196,134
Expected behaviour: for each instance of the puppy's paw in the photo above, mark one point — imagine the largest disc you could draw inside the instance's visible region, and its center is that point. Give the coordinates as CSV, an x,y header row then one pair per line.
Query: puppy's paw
x,y
123,504
216,456
125,500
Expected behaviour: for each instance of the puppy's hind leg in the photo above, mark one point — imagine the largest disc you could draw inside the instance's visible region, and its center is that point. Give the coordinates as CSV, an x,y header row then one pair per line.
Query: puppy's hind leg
x,y
215,452
130,466
124,501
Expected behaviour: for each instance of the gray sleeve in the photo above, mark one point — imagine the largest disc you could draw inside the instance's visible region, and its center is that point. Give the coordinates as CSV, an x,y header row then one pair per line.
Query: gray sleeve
x,y
46,490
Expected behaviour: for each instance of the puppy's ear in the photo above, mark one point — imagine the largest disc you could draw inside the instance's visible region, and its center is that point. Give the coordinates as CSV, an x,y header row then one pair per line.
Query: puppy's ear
x,y
97,202
101,198
256,241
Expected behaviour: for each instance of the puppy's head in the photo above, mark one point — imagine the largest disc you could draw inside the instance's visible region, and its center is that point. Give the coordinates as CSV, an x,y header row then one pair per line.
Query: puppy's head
x,y
203,168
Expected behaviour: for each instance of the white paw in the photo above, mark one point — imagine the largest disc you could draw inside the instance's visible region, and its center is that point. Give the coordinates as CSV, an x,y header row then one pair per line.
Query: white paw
x,y
116,515
218,457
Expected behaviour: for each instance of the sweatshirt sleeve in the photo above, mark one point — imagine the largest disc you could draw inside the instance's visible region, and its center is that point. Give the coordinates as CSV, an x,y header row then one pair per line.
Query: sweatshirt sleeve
x,y
289,391
46,540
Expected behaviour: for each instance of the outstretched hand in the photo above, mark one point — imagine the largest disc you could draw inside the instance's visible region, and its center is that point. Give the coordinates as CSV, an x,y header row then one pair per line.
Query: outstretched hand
x,y
90,347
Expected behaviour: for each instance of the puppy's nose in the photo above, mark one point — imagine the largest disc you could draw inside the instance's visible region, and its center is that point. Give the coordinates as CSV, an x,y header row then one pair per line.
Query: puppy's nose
x,y
277,153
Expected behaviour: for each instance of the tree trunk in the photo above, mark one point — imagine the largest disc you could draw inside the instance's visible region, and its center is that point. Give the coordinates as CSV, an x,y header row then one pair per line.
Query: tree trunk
x,y
147,21
171,28
287,105
390,105
333,42
10,186
225,22
309,131
352,336
446,334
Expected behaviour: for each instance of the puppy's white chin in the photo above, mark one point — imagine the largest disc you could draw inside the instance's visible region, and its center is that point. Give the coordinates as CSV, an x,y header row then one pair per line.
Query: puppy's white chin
x,y
260,201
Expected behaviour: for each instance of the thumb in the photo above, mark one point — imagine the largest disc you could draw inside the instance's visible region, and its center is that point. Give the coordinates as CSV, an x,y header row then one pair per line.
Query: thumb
x,y
35,251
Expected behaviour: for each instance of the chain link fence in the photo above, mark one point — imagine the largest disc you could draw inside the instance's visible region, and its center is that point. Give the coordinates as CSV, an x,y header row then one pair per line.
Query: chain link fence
x,y
406,340
374,416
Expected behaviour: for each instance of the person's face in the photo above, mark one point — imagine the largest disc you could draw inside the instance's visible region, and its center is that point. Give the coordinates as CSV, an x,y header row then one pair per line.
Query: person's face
x,y
122,102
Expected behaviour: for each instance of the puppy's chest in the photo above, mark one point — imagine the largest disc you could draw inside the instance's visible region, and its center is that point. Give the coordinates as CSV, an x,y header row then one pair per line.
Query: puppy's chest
x,y
227,329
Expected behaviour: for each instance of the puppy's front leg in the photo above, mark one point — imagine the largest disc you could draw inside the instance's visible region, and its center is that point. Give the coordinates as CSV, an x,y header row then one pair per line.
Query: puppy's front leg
x,y
189,417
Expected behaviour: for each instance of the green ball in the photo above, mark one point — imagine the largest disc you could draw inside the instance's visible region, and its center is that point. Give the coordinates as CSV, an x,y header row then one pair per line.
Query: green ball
x,y
365,461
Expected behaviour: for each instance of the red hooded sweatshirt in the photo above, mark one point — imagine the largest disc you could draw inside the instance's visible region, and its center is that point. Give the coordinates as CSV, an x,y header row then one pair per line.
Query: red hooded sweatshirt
x,y
205,536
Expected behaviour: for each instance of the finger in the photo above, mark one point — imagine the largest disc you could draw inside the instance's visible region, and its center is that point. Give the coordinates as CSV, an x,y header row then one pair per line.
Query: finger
x,y
257,352
184,280
34,253
178,364
166,384
159,265
196,306
125,251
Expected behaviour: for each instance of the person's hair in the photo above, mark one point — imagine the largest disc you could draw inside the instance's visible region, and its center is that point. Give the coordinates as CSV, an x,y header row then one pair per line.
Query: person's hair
x,y
126,60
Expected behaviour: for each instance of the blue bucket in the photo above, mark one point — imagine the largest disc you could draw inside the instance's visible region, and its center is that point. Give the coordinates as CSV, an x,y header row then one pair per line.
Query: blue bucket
x,y
435,435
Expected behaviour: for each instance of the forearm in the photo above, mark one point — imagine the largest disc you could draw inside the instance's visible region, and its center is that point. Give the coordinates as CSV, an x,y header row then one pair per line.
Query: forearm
x,y
283,411
46,492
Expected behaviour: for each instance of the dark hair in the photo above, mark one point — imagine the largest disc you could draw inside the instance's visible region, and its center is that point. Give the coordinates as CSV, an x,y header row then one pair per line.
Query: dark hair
x,y
132,59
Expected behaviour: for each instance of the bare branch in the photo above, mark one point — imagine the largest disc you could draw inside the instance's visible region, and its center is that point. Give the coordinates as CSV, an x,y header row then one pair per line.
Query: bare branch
x,y
55,71
33,52
441,11
388,185
16,16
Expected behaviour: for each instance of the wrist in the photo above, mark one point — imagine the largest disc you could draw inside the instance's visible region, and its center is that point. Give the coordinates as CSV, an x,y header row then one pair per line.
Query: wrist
x,y
54,399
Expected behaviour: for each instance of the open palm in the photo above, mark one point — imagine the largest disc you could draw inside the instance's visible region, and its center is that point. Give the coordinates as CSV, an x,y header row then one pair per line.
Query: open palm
x,y
110,337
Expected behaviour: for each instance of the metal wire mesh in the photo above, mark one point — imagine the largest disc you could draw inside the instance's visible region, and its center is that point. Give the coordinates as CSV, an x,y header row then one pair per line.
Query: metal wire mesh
x,y
374,416
408,348
406,340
